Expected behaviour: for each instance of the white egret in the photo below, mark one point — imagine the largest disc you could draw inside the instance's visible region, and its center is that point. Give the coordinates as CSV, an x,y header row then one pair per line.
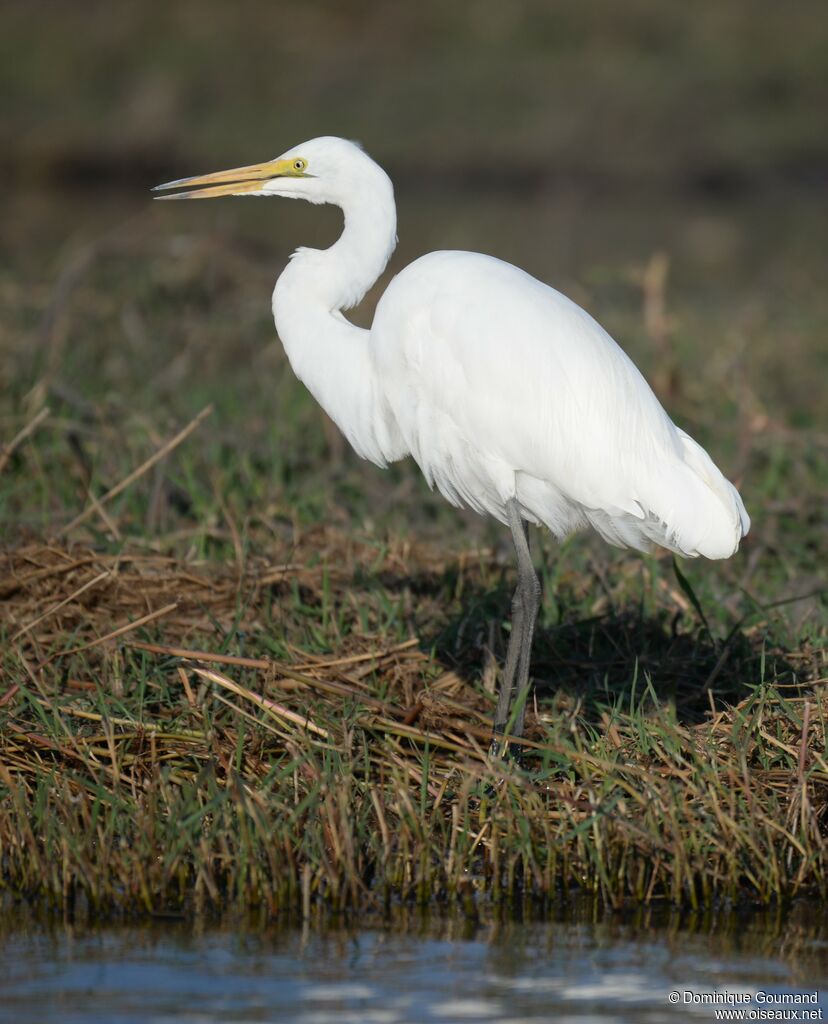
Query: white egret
x,y
510,397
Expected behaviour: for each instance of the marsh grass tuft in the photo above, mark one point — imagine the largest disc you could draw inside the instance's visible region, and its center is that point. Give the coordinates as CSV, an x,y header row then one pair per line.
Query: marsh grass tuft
x,y
167,744
207,699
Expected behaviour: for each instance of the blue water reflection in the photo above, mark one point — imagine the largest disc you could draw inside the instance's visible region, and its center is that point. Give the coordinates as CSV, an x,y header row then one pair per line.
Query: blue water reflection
x,y
610,970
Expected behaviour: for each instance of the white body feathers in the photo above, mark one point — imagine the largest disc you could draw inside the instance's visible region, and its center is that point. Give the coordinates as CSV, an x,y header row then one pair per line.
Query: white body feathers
x,y
498,386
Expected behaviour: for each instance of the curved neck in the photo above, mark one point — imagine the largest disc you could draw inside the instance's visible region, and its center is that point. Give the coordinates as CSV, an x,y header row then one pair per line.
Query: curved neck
x,y
327,352
338,277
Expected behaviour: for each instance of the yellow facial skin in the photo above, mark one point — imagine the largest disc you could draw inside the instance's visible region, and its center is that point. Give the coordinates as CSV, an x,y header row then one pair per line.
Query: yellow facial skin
x,y
237,180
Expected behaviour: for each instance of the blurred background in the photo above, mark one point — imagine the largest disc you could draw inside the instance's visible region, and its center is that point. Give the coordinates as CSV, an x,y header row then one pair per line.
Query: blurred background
x,y
663,164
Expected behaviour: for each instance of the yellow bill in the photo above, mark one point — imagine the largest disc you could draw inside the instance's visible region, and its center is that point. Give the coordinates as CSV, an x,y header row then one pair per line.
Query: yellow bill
x,y
236,181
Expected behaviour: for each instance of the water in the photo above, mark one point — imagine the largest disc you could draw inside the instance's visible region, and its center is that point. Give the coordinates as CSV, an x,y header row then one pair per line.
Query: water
x,y
582,967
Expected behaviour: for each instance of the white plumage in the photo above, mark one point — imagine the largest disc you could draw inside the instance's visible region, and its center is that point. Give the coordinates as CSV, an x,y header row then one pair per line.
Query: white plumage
x,y
501,387
510,397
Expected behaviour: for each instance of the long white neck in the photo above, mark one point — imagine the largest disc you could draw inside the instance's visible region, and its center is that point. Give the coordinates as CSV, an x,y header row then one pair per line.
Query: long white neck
x,y
338,278
328,354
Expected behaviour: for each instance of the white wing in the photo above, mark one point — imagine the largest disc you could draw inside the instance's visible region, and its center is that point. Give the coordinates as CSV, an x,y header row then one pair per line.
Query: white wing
x,y
502,387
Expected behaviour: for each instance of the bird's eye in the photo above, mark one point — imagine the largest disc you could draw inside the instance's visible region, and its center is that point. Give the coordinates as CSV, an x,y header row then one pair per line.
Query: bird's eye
x,y
299,164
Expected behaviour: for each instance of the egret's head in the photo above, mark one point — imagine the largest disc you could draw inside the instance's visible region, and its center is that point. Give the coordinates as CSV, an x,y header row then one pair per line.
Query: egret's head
x,y
324,170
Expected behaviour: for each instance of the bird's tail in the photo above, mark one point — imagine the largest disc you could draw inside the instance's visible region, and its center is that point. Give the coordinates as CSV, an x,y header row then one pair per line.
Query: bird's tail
x,y
687,506
706,515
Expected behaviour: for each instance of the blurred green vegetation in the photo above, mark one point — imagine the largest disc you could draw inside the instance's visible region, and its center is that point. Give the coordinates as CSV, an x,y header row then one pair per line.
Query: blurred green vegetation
x,y
638,90
579,140
663,165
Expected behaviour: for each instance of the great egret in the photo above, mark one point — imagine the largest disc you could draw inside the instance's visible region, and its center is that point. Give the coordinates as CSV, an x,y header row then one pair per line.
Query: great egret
x,y
510,397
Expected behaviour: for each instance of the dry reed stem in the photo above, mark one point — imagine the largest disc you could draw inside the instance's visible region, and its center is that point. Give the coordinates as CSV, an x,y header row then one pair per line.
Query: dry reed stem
x,y
312,777
8,449
61,604
128,627
163,451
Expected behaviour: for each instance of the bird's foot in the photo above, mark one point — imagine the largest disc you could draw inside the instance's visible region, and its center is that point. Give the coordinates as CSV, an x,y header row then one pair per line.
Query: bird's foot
x,y
503,750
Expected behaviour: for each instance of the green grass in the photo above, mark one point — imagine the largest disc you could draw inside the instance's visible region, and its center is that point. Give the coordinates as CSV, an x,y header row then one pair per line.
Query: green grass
x,y
340,763
678,749
677,752
671,759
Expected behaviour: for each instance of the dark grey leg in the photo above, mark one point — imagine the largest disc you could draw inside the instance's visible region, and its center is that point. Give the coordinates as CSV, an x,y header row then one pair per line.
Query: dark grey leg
x,y
510,666
514,686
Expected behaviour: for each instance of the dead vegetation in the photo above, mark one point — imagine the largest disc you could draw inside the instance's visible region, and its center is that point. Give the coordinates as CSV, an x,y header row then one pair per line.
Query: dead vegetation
x,y
149,763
